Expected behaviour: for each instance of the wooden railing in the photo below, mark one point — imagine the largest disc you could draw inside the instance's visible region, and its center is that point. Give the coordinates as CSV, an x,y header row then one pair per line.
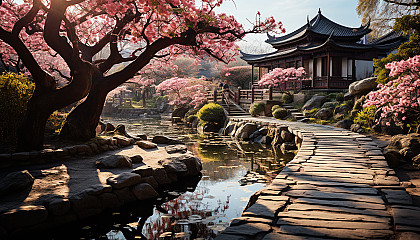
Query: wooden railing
x,y
240,96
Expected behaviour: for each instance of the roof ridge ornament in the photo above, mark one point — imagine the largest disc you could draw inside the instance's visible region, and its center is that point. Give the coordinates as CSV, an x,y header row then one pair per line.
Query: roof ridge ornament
x,y
308,23
319,10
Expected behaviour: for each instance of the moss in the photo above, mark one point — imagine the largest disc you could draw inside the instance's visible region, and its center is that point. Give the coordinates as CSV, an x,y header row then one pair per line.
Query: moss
x,y
280,113
256,108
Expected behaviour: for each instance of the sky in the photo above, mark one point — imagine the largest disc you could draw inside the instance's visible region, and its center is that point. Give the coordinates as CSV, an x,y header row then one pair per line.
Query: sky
x,y
292,13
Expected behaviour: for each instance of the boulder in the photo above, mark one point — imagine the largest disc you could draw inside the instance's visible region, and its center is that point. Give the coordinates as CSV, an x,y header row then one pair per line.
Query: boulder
x,y
346,123
176,149
389,124
245,131
122,140
331,105
393,157
120,129
193,164
179,112
211,127
324,113
124,195
356,128
16,182
286,136
161,176
109,127
136,159
315,102
261,139
123,180
58,206
342,109
23,216
161,139
141,137
109,200
85,205
416,160
144,191
288,146
144,171
363,86
174,165
114,161
150,180
146,144
229,129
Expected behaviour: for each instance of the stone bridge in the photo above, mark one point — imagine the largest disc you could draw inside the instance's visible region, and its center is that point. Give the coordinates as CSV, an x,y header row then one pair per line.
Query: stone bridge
x,y
338,186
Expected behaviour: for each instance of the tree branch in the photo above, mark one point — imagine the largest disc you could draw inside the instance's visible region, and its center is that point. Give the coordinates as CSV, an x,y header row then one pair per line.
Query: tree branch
x,y
25,20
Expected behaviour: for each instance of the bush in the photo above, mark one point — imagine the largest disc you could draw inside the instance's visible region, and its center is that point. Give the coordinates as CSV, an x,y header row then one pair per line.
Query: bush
x,y
336,96
15,91
286,98
55,122
280,113
256,108
366,117
212,113
275,107
358,106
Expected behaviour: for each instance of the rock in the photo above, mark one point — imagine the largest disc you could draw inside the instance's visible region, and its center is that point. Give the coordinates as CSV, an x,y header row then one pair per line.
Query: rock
x,y
363,86
161,139
101,127
261,139
123,180
98,189
109,200
389,124
144,191
150,180
179,112
356,128
82,149
245,131
120,130
346,123
409,153
146,144
141,136
85,205
324,113
162,104
23,216
174,165
254,135
342,109
315,102
416,160
193,164
109,127
20,156
331,105
229,129
288,146
286,136
161,176
211,127
136,159
195,123
393,157
114,161
16,182
176,149
122,140
125,195
93,146
144,171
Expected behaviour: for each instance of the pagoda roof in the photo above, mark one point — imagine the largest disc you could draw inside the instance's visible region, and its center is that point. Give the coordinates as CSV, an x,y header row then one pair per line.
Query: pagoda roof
x,y
322,26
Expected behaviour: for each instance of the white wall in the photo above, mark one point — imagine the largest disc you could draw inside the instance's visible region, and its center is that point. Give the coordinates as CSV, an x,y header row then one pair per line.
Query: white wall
x,y
331,66
311,68
349,67
319,67
344,67
364,69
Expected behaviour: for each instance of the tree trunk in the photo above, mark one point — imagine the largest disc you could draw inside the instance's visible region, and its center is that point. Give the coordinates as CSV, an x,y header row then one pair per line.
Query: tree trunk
x,y
81,123
31,130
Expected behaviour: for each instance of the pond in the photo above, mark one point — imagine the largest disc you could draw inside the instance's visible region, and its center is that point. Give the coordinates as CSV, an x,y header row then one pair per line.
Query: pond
x,y
232,172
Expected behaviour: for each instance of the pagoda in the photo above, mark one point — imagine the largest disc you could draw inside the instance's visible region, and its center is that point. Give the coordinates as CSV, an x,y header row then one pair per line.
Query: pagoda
x,y
333,55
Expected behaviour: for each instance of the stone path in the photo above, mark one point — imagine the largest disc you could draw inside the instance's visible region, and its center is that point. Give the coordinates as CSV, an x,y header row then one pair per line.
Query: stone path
x,y
338,186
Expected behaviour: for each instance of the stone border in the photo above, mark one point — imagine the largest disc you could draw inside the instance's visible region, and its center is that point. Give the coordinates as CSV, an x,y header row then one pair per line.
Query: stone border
x,y
338,186
142,183
96,146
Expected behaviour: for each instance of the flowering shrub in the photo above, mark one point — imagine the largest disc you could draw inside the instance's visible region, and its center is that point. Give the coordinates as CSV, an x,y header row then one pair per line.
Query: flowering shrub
x,y
212,113
238,76
279,75
400,96
184,91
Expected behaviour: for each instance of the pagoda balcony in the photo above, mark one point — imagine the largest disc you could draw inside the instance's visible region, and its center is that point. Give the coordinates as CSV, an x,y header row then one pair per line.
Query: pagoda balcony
x,y
332,82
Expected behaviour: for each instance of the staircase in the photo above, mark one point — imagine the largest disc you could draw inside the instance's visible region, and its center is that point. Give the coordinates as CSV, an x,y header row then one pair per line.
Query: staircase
x,y
294,112
234,110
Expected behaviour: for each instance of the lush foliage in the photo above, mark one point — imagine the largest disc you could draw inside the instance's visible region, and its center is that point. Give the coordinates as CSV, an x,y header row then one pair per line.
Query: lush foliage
x,y
55,122
278,76
273,108
212,113
238,76
280,113
256,108
365,118
15,91
408,25
191,118
184,91
286,98
400,96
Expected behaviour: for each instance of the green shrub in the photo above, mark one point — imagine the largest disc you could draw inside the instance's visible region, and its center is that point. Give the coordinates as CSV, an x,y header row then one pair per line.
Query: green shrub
x,y
339,96
256,108
366,117
275,107
55,122
280,113
15,91
211,112
191,118
286,98
358,106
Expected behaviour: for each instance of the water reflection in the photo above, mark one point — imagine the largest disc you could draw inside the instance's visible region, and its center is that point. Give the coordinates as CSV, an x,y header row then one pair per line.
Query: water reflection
x,y
232,172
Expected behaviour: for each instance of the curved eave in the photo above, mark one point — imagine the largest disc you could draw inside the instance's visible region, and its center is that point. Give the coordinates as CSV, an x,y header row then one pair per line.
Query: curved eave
x,y
255,58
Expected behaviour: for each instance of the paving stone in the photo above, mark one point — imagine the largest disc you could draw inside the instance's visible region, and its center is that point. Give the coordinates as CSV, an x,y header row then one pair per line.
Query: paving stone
x,y
248,229
341,203
279,236
274,198
406,216
264,208
333,224
334,196
315,207
224,236
243,220
336,233
333,216
408,236
400,197
363,191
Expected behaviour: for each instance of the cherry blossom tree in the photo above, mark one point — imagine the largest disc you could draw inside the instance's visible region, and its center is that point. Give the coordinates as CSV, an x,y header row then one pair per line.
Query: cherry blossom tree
x,y
183,91
400,96
133,32
238,76
278,76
